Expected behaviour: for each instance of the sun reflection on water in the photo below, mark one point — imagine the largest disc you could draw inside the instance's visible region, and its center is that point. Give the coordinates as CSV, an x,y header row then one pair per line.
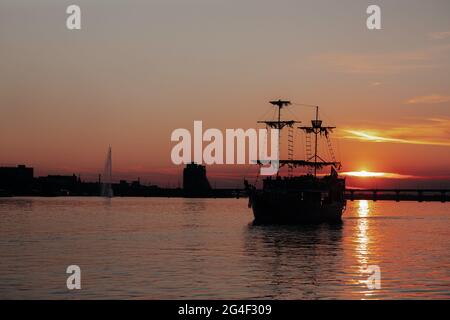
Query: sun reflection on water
x,y
363,209
362,238
363,244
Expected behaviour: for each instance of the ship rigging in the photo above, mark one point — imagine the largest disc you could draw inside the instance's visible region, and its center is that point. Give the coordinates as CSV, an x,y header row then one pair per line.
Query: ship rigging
x,y
312,157
299,199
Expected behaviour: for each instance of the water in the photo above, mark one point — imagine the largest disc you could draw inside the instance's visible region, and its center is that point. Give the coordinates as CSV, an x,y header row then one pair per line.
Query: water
x,y
155,248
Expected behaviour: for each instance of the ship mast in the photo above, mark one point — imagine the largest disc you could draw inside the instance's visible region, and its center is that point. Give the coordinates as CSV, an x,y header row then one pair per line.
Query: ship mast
x,y
316,128
279,124
315,142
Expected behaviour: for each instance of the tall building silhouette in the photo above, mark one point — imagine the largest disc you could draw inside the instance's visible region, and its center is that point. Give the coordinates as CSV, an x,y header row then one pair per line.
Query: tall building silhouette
x,y
195,181
17,179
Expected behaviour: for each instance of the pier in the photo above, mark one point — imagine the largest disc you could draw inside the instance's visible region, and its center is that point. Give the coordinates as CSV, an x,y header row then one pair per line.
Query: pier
x,y
420,195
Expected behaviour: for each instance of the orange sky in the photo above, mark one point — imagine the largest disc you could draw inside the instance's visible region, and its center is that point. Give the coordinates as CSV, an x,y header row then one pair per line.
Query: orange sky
x,y
137,71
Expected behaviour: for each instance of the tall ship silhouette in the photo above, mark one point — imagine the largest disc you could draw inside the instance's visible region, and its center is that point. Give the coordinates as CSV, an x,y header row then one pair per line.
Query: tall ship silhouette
x,y
306,198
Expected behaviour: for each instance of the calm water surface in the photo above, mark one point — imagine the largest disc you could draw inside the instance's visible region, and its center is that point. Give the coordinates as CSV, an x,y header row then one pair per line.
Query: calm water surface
x,y
154,248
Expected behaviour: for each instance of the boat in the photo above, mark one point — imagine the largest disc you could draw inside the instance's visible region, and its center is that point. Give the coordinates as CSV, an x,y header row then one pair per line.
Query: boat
x,y
306,198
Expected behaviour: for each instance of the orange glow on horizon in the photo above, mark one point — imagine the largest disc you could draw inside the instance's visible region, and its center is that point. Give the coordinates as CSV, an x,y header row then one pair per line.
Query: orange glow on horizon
x,y
370,174
364,174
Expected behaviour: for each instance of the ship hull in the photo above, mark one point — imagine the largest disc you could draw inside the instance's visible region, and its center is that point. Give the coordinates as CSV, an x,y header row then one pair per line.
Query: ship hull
x,y
269,208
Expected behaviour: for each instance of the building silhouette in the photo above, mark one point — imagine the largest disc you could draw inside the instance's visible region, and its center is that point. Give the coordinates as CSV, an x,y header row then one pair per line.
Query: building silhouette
x,y
18,180
195,182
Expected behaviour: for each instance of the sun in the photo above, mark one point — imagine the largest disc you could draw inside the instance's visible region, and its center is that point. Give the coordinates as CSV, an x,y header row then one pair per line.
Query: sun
x,y
365,174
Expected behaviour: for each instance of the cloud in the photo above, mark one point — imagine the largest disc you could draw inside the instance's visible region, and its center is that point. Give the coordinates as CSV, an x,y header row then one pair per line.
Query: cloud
x,y
439,35
430,99
391,175
384,63
434,131
386,175
374,63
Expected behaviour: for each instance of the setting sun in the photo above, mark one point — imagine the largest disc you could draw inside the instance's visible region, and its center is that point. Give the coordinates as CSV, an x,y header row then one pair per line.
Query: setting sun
x,y
371,174
364,173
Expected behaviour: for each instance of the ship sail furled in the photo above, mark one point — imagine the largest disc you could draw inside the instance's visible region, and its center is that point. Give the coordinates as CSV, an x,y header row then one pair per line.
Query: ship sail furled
x,y
280,124
313,160
318,130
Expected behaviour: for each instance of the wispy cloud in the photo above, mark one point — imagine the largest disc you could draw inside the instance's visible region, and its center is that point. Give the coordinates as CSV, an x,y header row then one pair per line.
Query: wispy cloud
x,y
391,175
430,99
435,131
439,35
384,63
386,175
